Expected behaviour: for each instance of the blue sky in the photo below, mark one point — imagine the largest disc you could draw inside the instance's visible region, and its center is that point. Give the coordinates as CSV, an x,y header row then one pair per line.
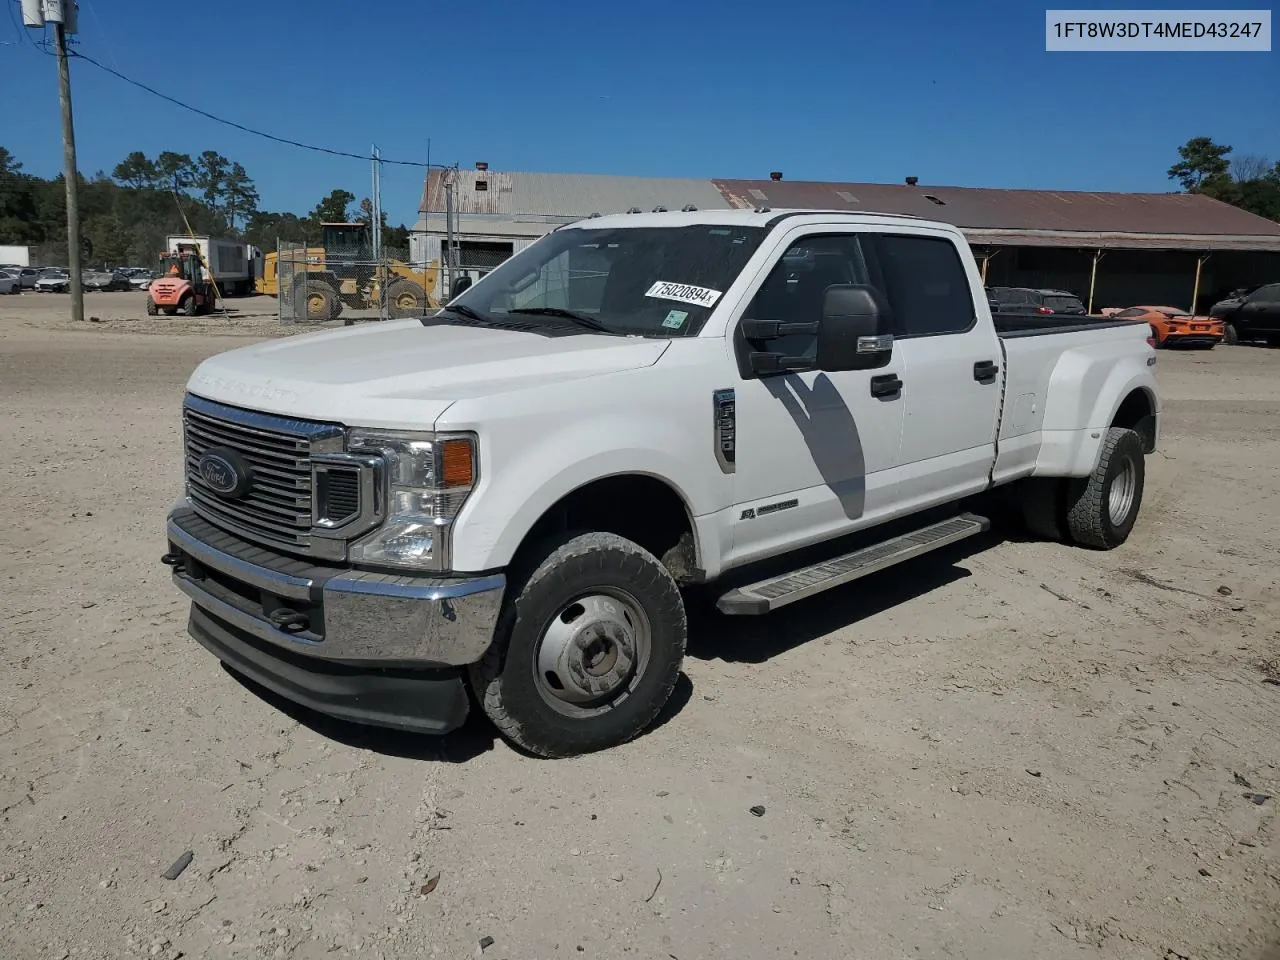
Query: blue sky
x,y
954,93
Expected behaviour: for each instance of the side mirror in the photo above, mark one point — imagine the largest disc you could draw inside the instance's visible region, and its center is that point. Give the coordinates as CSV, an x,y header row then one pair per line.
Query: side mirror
x,y
854,333
461,285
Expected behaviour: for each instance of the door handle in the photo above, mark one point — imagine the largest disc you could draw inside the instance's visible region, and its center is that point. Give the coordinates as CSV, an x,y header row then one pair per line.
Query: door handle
x,y
984,371
886,385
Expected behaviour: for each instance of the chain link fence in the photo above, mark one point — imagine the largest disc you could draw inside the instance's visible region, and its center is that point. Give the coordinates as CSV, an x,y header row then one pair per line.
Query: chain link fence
x,y
471,259
344,279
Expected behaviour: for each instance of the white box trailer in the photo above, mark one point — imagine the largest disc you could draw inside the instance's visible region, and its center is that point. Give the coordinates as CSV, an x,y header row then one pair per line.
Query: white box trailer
x,y
231,262
16,255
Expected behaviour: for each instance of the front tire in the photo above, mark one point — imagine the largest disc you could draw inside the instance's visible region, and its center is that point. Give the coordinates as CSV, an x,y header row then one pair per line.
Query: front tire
x,y
405,299
321,301
1102,509
152,309
588,648
189,307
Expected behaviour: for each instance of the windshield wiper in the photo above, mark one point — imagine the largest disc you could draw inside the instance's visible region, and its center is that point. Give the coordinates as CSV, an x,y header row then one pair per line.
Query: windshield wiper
x,y
581,319
463,310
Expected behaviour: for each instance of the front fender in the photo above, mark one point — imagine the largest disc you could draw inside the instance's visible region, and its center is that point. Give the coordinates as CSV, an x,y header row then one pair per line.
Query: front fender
x,y
511,498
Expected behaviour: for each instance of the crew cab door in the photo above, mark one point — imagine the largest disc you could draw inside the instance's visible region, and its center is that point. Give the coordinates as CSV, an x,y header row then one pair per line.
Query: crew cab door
x,y
952,367
813,451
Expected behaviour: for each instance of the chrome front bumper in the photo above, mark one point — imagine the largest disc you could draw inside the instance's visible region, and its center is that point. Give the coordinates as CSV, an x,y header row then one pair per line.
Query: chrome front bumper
x,y
330,613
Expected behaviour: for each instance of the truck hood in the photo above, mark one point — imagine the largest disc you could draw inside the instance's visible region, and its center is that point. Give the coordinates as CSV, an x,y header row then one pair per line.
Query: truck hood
x,y
400,374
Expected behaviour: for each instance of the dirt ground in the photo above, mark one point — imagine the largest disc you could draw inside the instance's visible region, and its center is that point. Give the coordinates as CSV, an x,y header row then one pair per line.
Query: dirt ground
x,y
1015,749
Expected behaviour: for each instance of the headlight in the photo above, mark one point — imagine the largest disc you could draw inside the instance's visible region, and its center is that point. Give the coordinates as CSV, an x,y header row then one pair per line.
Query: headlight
x,y
429,476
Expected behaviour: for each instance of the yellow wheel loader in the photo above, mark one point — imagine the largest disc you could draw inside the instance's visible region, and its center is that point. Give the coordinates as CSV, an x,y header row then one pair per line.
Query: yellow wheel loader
x,y
342,273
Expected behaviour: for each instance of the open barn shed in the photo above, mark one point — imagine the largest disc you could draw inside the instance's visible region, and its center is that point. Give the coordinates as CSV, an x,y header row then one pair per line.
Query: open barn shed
x,y
1111,249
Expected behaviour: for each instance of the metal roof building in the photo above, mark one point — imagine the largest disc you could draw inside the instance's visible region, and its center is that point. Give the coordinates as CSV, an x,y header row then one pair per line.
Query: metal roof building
x,y
531,204
1040,218
1108,247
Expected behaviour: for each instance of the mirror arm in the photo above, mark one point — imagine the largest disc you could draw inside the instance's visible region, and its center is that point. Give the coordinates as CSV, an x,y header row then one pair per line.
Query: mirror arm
x,y
766,363
774,329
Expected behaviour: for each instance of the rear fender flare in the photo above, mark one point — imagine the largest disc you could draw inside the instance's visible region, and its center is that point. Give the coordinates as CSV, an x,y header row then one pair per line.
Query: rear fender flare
x,y
1082,400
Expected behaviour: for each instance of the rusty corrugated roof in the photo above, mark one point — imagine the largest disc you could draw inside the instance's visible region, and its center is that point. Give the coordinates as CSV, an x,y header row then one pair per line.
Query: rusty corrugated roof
x,y
1119,240
1005,214
1052,218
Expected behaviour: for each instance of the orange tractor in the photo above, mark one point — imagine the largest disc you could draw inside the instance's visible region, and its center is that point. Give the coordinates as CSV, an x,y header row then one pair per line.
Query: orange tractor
x,y
182,287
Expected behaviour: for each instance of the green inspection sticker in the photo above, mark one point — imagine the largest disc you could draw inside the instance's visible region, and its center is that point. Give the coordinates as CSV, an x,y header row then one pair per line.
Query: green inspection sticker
x,y
675,319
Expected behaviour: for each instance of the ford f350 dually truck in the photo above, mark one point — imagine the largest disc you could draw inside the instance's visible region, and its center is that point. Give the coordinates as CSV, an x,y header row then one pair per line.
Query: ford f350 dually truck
x,y
510,494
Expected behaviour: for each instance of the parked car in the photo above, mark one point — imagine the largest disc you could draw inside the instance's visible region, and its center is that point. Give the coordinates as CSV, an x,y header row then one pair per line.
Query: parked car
x,y
511,493
1251,314
102,280
9,282
1172,327
53,281
1032,300
1063,301
26,275
142,281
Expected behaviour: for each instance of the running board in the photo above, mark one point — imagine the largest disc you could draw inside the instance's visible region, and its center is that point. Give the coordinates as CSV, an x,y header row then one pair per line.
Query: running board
x,y
770,594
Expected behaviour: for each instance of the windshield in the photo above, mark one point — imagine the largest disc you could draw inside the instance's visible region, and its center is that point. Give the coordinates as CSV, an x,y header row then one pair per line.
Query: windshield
x,y
654,281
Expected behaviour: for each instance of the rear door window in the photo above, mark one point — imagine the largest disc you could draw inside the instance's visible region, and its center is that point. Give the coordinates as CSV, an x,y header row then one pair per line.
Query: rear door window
x,y
926,285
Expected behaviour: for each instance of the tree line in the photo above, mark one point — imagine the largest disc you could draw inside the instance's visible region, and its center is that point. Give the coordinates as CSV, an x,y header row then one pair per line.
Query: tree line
x,y
1250,182
126,215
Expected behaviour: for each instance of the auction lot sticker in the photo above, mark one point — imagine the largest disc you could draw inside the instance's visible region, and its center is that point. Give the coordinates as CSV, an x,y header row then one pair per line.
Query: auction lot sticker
x,y
684,292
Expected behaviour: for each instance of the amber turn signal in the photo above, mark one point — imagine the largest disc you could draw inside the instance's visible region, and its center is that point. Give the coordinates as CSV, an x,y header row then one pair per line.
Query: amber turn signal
x,y
458,463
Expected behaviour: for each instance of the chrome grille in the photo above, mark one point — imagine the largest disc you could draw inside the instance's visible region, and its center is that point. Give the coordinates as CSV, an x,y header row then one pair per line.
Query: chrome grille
x,y
277,507
337,494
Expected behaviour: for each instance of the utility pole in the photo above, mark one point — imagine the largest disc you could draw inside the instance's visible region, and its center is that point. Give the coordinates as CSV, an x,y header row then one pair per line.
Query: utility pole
x,y
69,162
36,14
450,259
376,231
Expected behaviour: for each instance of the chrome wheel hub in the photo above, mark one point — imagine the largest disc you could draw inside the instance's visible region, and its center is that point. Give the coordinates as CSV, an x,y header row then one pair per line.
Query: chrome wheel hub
x,y
592,653
1123,490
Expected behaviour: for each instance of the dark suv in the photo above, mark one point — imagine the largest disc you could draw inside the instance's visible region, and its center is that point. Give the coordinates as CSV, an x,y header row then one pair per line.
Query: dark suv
x,y
1251,314
1063,301
1031,300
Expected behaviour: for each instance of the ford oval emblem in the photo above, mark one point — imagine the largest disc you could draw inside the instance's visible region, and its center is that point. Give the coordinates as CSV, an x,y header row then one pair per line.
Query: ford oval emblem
x,y
224,472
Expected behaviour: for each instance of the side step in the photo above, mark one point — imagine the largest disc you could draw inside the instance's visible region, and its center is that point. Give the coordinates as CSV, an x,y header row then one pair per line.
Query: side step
x,y
770,594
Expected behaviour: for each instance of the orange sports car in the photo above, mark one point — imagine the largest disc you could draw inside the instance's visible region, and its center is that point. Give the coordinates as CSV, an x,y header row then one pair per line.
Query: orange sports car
x,y
1173,327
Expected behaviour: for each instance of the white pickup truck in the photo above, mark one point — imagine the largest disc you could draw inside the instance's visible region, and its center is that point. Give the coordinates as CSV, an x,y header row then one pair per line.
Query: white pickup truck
x,y
509,494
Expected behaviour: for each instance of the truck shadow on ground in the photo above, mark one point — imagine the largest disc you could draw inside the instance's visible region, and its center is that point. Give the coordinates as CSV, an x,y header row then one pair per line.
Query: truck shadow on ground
x,y
712,636
475,737
756,639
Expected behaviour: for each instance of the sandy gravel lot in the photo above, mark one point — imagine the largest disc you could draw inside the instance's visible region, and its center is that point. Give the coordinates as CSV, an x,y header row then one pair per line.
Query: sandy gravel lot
x,y
1013,750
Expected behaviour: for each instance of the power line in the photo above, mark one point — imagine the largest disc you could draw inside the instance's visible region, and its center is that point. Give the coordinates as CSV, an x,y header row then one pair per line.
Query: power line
x,y
110,50
241,127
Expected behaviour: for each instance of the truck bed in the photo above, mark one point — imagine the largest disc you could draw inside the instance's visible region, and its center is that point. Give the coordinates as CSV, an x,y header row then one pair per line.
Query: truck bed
x,y
1009,325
